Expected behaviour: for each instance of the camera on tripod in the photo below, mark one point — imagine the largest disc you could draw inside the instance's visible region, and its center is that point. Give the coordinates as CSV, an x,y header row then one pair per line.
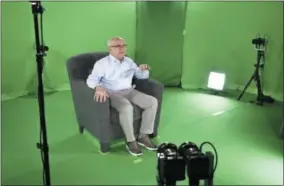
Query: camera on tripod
x,y
260,46
174,162
259,43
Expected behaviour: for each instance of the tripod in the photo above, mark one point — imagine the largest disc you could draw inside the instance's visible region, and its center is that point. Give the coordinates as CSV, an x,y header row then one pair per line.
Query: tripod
x,y
40,53
261,98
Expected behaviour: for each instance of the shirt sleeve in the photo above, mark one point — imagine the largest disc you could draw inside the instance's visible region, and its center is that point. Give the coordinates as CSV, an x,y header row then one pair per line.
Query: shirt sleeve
x,y
139,74
96,75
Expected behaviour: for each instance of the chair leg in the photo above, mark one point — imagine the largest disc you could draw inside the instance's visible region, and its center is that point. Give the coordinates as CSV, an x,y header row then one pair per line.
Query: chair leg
x,y
81,129
153,135
104,147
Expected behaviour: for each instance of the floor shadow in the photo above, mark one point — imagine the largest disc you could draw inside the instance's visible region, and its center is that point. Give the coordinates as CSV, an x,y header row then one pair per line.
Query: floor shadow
x,y
76,144
231,95
35,95
79,144
274,113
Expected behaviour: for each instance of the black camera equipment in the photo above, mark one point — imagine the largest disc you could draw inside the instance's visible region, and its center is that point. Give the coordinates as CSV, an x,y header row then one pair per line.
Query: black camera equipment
x,y
174,162
260,46
40,53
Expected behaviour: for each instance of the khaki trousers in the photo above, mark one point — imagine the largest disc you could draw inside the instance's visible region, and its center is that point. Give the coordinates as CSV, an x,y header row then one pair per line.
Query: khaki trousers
x,y
121,101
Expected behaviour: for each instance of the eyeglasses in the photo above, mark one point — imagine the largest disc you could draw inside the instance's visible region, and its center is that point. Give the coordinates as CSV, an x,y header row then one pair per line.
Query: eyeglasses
x,y
119,46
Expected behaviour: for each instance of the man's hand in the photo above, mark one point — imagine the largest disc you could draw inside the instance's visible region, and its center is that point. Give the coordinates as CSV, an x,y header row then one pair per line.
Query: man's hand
x,y
144,67
101,95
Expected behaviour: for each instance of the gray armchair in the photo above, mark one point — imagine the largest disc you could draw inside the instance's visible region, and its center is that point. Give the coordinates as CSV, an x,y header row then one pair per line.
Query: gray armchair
x,y
100,119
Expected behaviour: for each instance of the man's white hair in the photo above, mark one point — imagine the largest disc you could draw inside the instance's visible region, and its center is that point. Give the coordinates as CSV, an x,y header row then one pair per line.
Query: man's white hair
x,y
109,42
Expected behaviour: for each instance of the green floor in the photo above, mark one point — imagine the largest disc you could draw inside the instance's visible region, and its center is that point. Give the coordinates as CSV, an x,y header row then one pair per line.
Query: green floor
x,y
246,137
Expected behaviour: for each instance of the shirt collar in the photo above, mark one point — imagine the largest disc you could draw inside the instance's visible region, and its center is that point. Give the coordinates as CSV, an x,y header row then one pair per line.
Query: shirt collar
x,y
113,59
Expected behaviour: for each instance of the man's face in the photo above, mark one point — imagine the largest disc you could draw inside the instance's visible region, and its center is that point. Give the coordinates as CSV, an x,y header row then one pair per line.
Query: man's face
x,y
118,49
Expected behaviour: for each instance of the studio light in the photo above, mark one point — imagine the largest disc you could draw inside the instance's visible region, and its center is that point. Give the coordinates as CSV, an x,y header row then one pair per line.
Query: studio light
x,y
216,81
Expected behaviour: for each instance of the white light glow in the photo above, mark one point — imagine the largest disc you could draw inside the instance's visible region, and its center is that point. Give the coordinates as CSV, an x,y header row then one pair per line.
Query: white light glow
x,y
216,80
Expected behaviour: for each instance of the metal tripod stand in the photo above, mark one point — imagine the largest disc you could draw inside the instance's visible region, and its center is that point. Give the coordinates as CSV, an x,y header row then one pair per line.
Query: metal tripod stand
x,y
261,98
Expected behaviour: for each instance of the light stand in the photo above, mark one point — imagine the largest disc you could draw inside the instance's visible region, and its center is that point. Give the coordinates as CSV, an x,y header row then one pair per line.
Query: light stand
x,y
260,44
40,53
282,130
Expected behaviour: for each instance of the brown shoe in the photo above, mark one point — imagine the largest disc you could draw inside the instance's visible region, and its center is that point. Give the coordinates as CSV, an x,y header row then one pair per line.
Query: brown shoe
x,y
146,142
133,148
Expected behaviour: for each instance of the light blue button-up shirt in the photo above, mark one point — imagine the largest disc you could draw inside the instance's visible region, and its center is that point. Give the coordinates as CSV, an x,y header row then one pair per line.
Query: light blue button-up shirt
x,y
114,75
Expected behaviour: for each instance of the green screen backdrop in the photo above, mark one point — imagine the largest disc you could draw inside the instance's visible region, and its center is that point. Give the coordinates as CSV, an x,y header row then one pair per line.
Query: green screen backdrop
x,y
70,28
181,41
159,41
219,38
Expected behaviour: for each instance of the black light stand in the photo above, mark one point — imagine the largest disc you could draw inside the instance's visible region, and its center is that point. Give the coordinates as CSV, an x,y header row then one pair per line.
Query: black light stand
x,y
282,130
260,45
40,53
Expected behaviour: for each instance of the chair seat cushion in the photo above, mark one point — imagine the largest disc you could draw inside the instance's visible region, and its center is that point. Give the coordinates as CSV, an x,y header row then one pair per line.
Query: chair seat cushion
x,y
115,118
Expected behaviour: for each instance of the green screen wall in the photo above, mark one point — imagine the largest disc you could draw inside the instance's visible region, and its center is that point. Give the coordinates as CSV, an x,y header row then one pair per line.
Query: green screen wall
x,y
69,28
181,41
219,38
159,41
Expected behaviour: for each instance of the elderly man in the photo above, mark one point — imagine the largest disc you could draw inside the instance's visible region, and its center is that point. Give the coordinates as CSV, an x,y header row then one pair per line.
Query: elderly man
x,y
111,78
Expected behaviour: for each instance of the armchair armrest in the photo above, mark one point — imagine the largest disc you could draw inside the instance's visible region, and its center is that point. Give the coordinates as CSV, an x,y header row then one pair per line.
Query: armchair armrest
x,y
83,98
94,115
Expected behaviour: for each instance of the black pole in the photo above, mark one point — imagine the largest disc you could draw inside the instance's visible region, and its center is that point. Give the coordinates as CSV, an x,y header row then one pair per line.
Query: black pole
x,y
40,52
259,99
282,130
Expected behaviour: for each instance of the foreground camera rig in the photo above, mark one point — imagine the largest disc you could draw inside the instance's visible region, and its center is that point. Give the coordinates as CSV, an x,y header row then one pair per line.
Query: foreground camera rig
x,y
174,162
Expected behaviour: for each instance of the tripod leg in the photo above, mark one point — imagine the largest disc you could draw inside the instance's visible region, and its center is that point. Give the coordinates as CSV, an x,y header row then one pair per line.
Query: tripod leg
x,y
259,99
248,83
